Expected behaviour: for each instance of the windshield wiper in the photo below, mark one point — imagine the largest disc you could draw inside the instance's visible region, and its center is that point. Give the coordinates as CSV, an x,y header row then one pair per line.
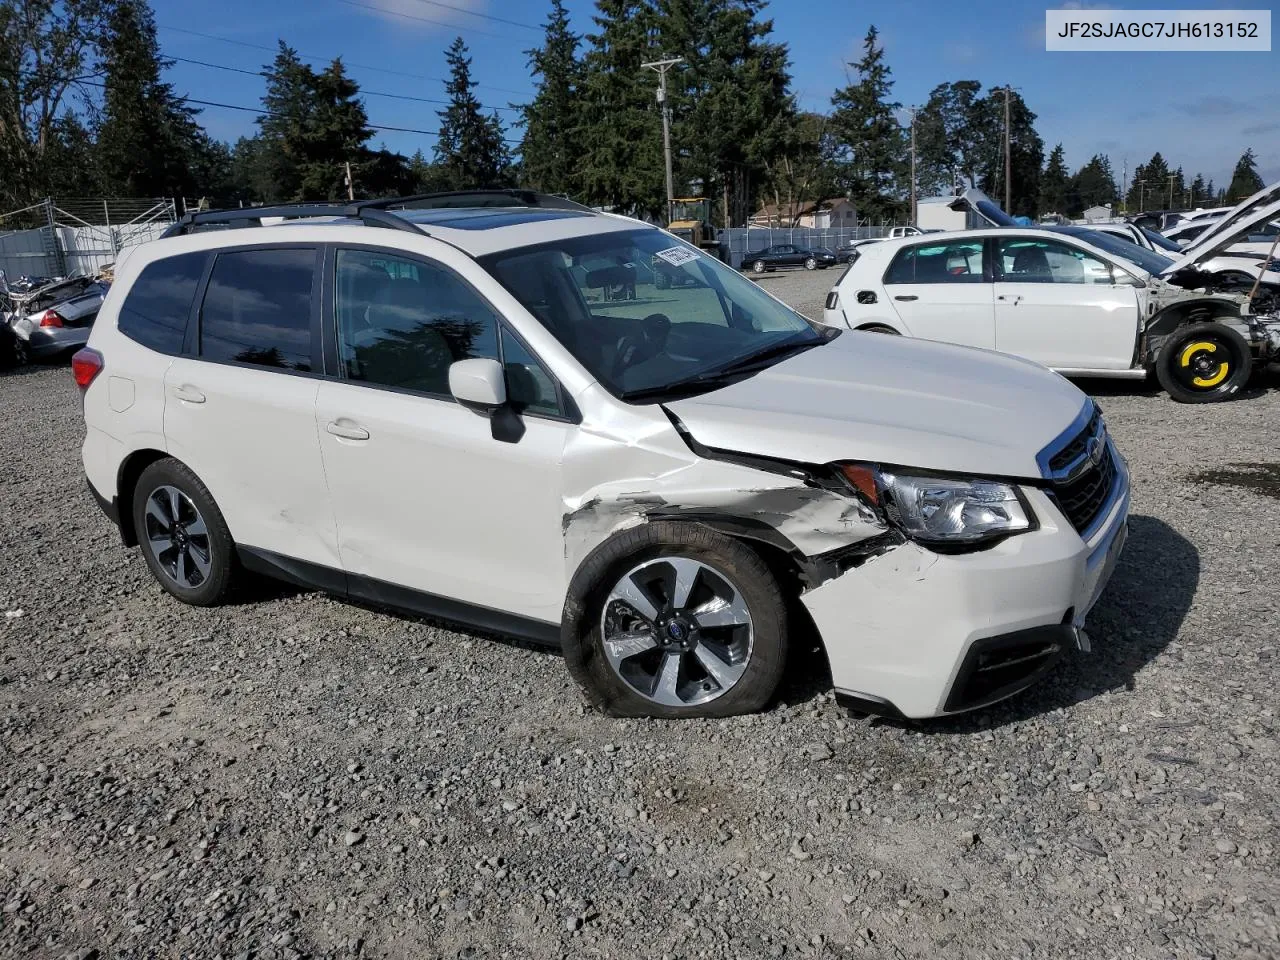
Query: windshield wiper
x,y
721,376
768,353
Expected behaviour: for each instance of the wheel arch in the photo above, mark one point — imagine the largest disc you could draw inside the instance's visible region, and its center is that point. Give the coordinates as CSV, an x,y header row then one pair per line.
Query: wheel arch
x,y
1186,312
126,480
784,560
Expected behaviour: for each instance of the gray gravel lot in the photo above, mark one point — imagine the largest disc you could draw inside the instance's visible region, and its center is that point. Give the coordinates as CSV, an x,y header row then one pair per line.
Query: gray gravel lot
x,y
295,776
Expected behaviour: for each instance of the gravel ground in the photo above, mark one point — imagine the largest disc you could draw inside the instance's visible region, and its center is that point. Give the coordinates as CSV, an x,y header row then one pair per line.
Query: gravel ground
x,y
295,776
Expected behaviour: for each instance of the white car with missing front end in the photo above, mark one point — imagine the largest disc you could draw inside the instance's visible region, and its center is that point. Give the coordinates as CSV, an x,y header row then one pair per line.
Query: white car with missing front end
x,y
1074,299
441,410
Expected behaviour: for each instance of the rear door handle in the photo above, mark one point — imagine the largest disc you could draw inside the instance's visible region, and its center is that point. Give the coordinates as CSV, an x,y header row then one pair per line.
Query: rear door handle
x,y
347,430
1013,298
188,393
906,297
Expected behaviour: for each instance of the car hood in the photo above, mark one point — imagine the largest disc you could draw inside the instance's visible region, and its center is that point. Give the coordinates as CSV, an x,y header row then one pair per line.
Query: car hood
x,y
892,400
1258,209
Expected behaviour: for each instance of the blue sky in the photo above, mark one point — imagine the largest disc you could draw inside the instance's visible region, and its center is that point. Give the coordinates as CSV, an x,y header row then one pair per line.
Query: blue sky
x,y
1200,109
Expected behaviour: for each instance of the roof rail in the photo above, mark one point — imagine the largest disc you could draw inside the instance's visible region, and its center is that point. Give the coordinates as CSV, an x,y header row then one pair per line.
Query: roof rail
x,y
368,211
481,198
374,213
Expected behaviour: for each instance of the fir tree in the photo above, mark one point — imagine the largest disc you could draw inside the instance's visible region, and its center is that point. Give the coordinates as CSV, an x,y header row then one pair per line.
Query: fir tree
x,y
550,151
867,129
470,149
1244,179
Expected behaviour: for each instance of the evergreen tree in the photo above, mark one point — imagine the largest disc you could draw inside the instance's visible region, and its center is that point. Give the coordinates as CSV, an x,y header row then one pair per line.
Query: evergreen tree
x,y
312,127
622,164
550,151
868,131
1149,189
1244,179
731,111
469,147
950,137
1095,185
1026,150
148,138
334,136
1200,191
274,167
1055,184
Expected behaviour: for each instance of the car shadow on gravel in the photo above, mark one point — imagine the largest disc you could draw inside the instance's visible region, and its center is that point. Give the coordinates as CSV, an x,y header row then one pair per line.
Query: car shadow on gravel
x,y
1138,615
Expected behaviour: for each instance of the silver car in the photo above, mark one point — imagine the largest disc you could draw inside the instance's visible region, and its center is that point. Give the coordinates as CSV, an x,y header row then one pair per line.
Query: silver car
x,y
55,318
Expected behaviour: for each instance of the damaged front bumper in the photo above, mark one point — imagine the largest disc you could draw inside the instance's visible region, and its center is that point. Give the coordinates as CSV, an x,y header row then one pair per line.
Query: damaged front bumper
x,y
918,634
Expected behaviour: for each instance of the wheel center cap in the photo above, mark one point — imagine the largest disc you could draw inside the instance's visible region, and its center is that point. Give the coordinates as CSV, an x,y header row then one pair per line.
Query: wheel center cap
x,y
677,632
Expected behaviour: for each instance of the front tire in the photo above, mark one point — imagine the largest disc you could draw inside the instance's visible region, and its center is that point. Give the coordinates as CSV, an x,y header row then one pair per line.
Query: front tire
x,y
675,620
880,328
183,536
1204,363
811,264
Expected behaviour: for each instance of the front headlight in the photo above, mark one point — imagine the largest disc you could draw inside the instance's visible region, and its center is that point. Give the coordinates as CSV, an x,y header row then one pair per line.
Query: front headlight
x,y
943,511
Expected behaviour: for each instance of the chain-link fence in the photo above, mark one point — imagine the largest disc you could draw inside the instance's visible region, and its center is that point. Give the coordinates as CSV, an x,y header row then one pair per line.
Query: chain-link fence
x,y
77,235
737,242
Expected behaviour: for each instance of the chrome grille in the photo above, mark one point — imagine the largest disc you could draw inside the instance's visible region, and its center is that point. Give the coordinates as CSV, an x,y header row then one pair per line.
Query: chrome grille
x,y
1083,498
1082,472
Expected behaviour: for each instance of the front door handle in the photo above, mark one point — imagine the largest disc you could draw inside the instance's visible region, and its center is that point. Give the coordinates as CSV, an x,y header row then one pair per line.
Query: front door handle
x,y
347,430
188,393
906,297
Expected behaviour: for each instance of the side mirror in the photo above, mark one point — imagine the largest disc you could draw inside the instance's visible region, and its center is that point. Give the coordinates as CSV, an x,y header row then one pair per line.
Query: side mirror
x,y
478,384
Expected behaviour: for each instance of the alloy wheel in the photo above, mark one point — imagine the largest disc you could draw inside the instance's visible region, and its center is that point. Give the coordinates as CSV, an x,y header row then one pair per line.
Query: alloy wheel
x,y
177,537
677,631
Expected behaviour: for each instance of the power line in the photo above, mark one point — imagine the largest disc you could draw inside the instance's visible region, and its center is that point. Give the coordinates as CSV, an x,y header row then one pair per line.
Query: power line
x,y
363,92
265,113
410,16
485,16
320,59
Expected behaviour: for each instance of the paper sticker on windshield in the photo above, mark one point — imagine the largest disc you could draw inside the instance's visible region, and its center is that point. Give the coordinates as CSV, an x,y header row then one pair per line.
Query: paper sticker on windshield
x,y
677,256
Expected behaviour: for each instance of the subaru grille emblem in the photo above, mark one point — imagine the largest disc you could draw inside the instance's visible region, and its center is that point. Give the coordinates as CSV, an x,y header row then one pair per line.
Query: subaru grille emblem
x,y
1095,449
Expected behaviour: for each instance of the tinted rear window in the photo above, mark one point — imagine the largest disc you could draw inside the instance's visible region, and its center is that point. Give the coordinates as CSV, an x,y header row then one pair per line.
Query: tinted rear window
x,y
155,311
257,308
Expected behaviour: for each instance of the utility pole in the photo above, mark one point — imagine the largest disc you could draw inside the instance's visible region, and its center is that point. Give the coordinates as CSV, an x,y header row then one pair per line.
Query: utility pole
x,y
351,190
661,67
1008,167
913,166
1172,177
1124,185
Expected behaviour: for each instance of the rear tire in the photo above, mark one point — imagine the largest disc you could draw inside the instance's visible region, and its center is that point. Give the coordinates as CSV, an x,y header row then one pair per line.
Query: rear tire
x,y
758,267
182,533
719,669
880,328
1204,363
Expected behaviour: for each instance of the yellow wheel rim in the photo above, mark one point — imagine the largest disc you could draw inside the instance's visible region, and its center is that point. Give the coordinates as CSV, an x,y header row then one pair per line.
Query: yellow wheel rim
x,y
1193,348
1204,346
1214,380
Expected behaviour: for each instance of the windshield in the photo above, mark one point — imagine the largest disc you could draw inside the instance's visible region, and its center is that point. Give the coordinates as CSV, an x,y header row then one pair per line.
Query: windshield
x,y
1151,262
643,312
1160,240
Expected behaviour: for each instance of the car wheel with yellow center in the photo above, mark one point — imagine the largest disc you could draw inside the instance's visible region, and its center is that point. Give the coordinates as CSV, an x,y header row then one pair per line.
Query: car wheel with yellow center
x,y
1204,363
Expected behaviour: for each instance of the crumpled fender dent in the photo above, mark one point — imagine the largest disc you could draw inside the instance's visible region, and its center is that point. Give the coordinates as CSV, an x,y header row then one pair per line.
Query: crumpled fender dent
x,y
825,531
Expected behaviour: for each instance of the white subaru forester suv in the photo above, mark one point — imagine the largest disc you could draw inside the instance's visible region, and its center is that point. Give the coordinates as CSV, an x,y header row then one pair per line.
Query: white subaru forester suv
x,y
510,412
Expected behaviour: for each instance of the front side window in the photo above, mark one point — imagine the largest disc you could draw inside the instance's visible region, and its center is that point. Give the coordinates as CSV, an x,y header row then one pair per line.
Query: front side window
x,y
958,262
647,316
154,313
257,308
402,322
1024,260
